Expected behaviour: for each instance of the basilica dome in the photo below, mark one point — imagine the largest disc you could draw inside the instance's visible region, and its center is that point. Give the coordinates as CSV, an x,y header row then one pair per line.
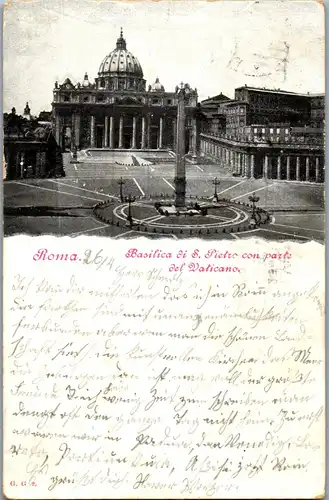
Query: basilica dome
x,y
120,62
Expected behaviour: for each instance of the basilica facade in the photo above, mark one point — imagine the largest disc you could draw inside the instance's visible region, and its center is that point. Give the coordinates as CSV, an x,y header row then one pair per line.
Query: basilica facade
x,y
118,110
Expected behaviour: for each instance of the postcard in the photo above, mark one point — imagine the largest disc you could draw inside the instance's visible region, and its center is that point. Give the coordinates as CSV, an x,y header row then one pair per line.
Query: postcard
x,y
164,288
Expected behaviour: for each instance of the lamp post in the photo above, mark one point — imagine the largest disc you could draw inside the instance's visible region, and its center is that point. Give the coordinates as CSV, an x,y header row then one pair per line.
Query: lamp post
x,y
254,199
130,199
216,183
121,183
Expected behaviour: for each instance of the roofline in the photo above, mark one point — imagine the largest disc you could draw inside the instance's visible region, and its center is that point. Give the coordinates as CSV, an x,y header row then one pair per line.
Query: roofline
x,y
279,91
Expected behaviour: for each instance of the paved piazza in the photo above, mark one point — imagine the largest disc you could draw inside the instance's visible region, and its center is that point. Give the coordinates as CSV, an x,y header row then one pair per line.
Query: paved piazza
x,y
66,206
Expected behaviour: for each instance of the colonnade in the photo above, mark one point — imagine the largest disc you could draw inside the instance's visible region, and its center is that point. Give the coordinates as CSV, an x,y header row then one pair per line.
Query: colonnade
x,y
284,166
18,161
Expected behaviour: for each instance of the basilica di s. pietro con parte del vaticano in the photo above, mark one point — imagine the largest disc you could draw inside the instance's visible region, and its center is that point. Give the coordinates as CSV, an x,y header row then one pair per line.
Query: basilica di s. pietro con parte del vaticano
x,y
116,156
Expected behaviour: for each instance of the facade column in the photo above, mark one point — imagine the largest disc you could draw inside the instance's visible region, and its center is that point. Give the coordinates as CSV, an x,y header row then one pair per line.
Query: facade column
x,y
265,167
133,144
148,135
317,169
160,133
143,132
92,131
252,166
112,132
174,125
106,132
194,136
77,129
307,168
279,168
297,168
288,168
121,132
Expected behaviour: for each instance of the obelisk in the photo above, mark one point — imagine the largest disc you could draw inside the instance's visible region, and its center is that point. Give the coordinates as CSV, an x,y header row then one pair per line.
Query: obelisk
x,y
180,174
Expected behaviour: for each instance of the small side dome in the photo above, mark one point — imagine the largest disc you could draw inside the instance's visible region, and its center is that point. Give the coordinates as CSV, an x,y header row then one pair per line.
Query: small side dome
x,y
157,86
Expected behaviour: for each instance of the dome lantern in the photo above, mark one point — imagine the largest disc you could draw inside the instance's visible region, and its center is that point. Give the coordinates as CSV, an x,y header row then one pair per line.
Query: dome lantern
x,y
121,42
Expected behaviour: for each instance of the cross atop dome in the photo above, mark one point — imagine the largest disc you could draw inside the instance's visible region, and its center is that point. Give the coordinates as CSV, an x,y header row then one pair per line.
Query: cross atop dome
x,y
121,42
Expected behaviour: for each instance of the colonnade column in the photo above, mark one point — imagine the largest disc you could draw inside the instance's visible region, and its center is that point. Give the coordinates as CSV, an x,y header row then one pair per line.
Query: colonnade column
x,y
121,132
230,160
111,132
252,166
297,168
133,144
245,165
106,132
307,168
237,162
57,130
265,168
92,131
279,168
317,169
160,133
43,163
288,168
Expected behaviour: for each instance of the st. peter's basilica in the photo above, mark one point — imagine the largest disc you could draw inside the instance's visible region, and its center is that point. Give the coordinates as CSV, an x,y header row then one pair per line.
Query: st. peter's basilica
x,y
117,111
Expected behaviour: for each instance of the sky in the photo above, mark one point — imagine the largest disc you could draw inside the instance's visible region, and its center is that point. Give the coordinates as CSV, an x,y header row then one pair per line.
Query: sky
x,y
215,46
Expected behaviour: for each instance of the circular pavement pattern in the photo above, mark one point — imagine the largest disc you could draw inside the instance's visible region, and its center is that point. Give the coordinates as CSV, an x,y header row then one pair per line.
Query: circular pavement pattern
x,y
220,215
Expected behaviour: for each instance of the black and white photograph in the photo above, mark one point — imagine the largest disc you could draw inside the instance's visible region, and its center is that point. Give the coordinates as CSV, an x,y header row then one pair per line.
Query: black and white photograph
x,y
164,119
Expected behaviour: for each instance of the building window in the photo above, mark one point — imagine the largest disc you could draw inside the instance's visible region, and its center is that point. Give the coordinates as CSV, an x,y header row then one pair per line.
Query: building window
x,y
255,130
100,98
169,101
271,131
241,110
263,131
278,131
86,98
66,98
155,101
286,131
